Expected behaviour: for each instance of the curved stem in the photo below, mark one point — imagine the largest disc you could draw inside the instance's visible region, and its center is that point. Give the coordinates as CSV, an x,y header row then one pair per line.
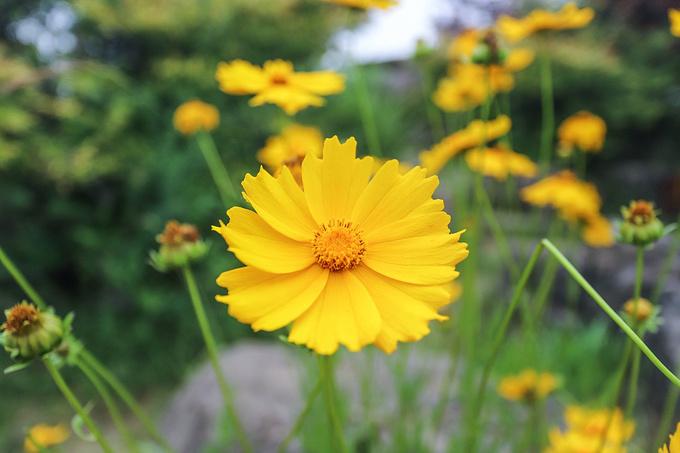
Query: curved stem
x,y
217,169
77,407
111,406
125,395
548,111
211,348
21,281
297,426
327,377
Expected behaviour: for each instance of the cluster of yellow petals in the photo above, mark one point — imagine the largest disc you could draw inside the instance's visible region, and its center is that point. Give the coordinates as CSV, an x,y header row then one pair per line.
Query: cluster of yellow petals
x,y
276,82
352,257
674,19
499,162
529,385
673,445
194,116
41,437
289,149
575,200
475,134
584,131
365,4
591,431
569,17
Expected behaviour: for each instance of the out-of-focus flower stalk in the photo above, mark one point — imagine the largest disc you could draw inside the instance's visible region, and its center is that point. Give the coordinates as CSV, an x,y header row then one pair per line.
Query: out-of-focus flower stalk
x,y
217,169
548,112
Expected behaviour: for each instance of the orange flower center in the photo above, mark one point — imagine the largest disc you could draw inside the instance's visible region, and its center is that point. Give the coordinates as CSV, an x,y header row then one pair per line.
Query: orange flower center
x,y
338,246
278,79
177,234
21,317
640,212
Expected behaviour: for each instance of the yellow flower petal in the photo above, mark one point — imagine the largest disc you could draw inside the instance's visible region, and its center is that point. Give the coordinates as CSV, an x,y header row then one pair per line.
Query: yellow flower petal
x,y
290,99
240,77
674,18
319,82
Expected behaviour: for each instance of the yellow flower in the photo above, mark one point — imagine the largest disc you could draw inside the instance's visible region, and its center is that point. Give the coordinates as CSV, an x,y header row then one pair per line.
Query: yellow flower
x,y
278,83
569,17
289,148
472,136
499,162
572,198
673,445
527,386
598,231
586,429
45,436
351,259
464,44
193,116
674,18
582,130
365,4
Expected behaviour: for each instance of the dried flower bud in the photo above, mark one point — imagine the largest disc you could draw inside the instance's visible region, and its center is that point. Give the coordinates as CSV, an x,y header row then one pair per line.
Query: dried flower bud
x,y
180,244
640,225
638,309
30,332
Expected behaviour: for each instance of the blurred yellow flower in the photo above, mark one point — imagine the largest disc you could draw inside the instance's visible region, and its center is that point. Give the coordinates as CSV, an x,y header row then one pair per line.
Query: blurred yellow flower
x,y
673,445
528,385
464,44
348,259
598,231
639,309
569,17
499,162
674,18
44,436
365,4
278,83
475,134
573,198
289,148
591,431
193,116
584,131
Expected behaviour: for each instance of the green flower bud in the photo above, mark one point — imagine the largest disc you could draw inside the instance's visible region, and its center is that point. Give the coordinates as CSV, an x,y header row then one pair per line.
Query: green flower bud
x,y
30,332
181,244
640,227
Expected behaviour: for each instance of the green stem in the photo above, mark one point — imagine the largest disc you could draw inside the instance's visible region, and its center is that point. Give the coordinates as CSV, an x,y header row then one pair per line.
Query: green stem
x,y
299,422
111,406
217,169
639,272
327,376
473,432
433,115
21,281
125,395
211,348
548,110
367,113
635,367
77,407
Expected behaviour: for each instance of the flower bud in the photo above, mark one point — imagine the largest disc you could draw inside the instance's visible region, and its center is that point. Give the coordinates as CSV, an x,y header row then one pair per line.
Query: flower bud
x,y
180,243
640,227
639,309
30,332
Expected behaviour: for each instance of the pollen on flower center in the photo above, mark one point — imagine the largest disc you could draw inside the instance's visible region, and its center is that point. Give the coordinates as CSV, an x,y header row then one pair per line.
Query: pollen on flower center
x,y
338,246
21,317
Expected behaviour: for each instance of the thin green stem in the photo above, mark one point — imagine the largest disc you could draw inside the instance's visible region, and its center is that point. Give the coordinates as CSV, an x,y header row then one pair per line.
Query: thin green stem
x,y
635,367
548,112
473,432
327,376
125,395
433,115
111,406
299,422
77,407
666,268
211,348
21,281
639,272
367,113
217,169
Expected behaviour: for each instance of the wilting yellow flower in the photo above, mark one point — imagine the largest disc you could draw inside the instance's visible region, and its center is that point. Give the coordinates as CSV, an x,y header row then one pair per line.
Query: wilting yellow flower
x,y
588,430
289,148
193,116
499,162
351,259
573,198
475,134
639,309
278,83
527,386
598,231
673,445
674,18
365,4
582,130
569,17
45,436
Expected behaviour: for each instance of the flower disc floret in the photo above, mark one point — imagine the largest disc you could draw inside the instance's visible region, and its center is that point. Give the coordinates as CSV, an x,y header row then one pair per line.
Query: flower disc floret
x,y
338,246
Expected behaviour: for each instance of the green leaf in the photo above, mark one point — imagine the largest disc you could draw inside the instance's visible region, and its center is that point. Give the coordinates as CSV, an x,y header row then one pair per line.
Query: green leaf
x,y
16,367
